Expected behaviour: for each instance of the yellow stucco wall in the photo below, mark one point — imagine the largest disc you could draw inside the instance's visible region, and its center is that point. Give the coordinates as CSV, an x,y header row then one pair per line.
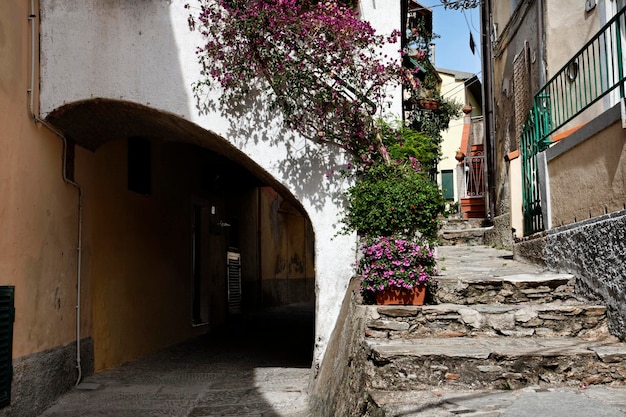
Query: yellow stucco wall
x,y
568,28
451,137
590,179
141,256
287,265
453,90
38,211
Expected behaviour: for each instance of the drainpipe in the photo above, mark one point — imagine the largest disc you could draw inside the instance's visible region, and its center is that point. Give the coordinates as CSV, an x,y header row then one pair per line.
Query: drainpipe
x,y
541,34
489,122
31,98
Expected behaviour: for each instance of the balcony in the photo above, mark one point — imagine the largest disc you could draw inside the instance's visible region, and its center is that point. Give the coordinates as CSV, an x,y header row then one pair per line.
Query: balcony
x,y
582,89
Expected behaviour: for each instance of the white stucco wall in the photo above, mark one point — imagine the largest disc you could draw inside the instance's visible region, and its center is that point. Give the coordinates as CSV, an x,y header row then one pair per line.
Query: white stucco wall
x,y
384,16
515,182
144,52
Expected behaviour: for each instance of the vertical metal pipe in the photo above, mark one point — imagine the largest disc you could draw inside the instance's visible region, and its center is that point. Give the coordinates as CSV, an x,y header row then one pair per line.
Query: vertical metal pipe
x,y
489,122
37,119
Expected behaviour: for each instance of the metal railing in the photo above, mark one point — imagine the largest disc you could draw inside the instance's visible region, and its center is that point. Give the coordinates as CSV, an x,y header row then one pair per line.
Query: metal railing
x,y
594,72
474,176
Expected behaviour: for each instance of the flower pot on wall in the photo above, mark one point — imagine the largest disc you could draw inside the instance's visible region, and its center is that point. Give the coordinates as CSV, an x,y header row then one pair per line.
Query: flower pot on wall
x,y
428,104
401,296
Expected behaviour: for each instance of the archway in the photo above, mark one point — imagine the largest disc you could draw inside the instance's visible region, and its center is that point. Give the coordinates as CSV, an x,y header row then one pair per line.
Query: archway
x,y
182,230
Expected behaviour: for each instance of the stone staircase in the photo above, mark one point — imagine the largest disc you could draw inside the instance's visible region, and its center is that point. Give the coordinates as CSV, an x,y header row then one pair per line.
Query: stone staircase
x,y
497,325
456,230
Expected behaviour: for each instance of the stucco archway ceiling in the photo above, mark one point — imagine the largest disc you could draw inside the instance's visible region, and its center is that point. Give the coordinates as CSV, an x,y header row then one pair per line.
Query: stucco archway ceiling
x,y
92,123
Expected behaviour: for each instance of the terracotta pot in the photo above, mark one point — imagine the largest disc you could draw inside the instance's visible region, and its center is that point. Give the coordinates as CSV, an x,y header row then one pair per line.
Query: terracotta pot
x,y
428,104
401,296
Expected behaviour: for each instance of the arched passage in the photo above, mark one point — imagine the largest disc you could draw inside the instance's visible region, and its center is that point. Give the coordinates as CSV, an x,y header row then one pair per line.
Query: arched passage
x,y
181,229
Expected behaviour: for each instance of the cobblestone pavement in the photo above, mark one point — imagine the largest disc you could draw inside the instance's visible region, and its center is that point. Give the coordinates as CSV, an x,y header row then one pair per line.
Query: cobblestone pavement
x,y
257,367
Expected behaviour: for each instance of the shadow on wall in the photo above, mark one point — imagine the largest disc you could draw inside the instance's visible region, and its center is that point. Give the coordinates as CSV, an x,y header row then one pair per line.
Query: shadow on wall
x,y
313,170
96,122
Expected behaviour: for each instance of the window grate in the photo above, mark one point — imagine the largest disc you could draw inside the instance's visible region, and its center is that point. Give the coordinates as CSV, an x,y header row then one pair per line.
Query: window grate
x,y
234,282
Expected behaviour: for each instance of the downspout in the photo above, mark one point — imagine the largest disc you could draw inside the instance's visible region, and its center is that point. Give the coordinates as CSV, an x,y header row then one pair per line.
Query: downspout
x,y
487,69
31,109
541,34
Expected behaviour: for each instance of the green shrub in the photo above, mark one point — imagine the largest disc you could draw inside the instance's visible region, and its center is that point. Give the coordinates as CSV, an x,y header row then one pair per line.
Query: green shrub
x,y
394,199
403,143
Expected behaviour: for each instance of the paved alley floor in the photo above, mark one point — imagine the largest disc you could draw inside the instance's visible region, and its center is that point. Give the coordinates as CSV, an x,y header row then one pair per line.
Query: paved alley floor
x,y
257,367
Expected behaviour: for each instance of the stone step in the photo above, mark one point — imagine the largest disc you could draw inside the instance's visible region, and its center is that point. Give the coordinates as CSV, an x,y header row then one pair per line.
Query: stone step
x,y
588,322
451,223
522,288
531,401
463,236
494,363
438,402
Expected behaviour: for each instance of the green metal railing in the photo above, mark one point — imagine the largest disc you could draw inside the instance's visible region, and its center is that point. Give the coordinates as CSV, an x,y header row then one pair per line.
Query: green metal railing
x,y
594,72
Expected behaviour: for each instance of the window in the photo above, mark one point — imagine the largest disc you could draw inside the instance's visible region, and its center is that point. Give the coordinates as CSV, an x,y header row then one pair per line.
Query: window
x,y
447,184
521,91
139,165
200,265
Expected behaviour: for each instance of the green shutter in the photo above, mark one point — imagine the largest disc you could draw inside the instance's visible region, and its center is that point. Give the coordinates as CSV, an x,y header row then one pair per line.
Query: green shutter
x,y
7,315
447,184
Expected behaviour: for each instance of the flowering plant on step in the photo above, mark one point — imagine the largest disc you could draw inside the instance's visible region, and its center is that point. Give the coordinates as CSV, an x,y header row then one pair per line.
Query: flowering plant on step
x,y
395,262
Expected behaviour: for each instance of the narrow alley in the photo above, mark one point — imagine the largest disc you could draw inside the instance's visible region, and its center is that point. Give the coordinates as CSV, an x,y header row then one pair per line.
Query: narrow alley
x,y
255,366
259,365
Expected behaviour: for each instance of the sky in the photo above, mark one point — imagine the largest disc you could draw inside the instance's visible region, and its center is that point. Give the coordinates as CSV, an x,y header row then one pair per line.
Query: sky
x,y
452,49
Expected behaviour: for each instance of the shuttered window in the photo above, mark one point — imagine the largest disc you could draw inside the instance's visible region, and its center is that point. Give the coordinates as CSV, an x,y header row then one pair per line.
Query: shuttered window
x,y
521,91
7,315
234,282
447,184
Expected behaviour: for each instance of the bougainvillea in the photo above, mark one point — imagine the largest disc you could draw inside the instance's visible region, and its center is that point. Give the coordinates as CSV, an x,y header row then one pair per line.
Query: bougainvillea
x,y
395,262
317,62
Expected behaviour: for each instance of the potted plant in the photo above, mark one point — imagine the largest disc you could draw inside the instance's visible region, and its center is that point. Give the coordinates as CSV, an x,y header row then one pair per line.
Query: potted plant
x,y
395,208
396,270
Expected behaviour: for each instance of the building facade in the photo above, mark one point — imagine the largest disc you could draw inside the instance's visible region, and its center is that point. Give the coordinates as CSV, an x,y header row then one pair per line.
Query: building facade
x,y
462,169
559,149
132,221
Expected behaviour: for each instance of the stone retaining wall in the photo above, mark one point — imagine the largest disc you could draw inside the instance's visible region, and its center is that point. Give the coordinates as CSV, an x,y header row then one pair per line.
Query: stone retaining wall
x,y
338,386
595,252
500,235
452,320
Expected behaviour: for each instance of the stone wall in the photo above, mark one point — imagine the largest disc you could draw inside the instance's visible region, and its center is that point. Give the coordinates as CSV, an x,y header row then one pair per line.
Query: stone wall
x,y
338,387
500,234
594,252
39,379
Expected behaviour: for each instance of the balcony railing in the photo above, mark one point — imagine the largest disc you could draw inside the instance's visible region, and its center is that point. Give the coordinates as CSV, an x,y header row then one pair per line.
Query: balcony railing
x,y
596,71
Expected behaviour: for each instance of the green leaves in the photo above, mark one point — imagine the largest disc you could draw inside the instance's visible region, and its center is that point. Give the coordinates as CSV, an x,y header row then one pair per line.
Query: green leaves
x,y
394,199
